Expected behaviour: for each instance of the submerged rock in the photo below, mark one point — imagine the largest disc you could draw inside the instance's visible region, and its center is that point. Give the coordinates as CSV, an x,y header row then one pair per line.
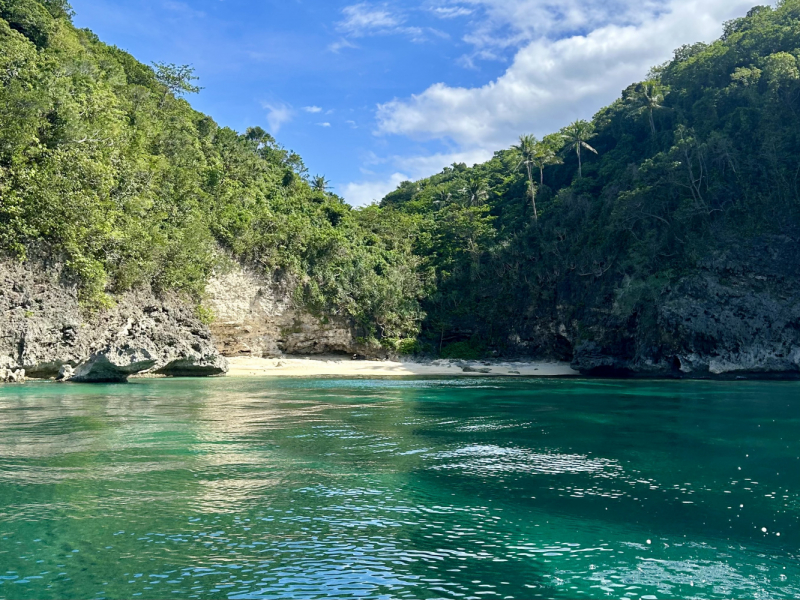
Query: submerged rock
x,y
468,368
65,373
203,366
113,366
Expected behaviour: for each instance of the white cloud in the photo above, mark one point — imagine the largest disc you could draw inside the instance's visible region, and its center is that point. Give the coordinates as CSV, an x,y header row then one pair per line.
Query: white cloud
x,y
278,114
423,165
312,109
367,192
365,19
451,12
553,82
336,47
324,124
513,22
416,167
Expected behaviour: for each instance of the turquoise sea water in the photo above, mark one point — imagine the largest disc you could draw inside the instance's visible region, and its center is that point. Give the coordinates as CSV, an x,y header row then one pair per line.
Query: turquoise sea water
x,y
266,488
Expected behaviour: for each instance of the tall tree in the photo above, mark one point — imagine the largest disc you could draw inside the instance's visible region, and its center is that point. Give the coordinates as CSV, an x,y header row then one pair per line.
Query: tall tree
x,y
476,190
577,136
443,197
256,134
526,152
59,8
320,184
176,79
546,154
651,98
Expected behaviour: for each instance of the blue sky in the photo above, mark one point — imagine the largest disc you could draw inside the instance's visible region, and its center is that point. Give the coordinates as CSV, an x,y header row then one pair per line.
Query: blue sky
x,y
372,93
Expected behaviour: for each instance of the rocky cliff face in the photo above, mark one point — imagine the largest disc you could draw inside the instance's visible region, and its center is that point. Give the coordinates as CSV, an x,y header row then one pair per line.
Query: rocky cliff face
x,y
44,331
255,316
737,315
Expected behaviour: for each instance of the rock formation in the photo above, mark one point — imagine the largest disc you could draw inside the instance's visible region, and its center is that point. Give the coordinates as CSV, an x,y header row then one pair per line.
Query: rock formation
x,y
736,315
44,331
10,376
255,315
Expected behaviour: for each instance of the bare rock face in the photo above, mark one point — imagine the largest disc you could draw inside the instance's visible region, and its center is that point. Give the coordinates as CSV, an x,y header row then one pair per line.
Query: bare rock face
x,y
736,315
44,331
255,316
65,373
9,376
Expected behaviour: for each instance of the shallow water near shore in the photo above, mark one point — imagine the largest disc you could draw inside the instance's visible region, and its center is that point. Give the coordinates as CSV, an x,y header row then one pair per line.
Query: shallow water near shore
x,y
400,488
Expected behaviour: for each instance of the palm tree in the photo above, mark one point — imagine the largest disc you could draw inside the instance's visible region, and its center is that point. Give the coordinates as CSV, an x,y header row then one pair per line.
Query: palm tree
x,y
651,100
476,190
526,151
442,197
319,184
577,135
547,154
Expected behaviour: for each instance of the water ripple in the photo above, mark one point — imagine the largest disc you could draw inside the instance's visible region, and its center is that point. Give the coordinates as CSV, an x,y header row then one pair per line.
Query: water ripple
x,y
399,488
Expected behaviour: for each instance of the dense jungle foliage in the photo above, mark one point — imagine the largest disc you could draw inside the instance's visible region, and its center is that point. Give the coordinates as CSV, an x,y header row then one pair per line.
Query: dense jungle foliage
x,y
103,162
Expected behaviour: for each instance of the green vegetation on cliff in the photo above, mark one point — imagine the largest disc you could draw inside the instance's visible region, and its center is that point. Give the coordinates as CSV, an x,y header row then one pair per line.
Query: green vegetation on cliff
x,y
103,162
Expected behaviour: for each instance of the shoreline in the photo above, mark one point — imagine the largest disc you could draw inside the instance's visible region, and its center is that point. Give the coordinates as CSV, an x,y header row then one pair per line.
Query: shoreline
x,y
338,366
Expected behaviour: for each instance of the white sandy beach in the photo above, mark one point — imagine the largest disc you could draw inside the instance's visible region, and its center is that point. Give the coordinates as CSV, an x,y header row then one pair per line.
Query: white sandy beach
x,y
339,366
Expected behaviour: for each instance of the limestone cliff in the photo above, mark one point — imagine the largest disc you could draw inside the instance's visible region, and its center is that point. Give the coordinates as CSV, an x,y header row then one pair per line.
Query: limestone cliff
x,y
44,331
255,315
736,315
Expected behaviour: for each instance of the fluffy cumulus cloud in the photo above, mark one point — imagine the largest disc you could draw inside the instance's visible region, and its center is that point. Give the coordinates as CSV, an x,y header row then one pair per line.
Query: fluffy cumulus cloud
x,y
549,82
